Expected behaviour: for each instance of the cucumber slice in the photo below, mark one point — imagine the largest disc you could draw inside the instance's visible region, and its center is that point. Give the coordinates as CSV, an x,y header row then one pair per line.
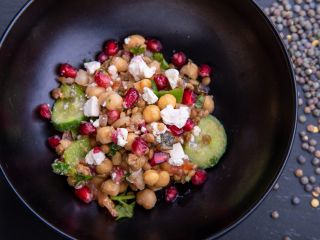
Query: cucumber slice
x,y
208,155
67,112
76,151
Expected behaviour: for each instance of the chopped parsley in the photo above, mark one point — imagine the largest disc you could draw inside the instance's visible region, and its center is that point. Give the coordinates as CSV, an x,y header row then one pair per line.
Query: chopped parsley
x,y
163,63
137,50
199,102
124,209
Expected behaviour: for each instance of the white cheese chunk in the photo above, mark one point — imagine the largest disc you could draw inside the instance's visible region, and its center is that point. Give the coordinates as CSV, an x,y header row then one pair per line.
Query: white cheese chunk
x,y
92,67
127,40
91,107
196,131
122,136
177,155
94,157
113,71
96,123
156,131
177,117
149,96
139,69
173,77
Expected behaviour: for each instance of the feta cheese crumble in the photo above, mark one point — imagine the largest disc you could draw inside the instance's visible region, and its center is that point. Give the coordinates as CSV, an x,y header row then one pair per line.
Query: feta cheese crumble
x,y
92,67
96,123
127,40
196,131
91,107
122,136
173,77
149,96
177,155
139,69
113,71
94,158
156,131
177,117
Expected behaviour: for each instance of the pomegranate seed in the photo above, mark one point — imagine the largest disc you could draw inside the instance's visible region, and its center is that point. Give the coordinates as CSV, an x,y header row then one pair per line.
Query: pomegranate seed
x,y
54,141
189,97
154,45
102,80
102,57
159,157
131,97
114,137
175,130
66,70
171,194
113,115
86,128
139,146
189,125
161,81
111,48
199,177
205,70
117,174
84,193
179,59
96,150
44,111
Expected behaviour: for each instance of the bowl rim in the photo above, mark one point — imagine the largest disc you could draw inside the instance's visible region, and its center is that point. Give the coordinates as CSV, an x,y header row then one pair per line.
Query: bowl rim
x,y
288,149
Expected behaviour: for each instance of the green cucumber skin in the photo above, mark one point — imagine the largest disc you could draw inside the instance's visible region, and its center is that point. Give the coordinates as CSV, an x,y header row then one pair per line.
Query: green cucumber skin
x,y
76,151
218,148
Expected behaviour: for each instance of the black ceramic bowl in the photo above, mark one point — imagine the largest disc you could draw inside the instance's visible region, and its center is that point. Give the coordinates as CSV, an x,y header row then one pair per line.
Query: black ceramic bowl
x,y
253,88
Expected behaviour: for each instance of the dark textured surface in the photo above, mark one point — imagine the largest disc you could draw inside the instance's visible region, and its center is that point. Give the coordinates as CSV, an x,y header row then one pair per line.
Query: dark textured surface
x,y
257,225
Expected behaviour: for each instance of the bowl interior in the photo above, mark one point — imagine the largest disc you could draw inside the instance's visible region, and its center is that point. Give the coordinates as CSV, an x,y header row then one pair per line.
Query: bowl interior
x,y
252,85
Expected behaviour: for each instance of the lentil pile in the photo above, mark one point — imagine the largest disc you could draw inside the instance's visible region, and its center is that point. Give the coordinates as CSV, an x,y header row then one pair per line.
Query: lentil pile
x,y
298,24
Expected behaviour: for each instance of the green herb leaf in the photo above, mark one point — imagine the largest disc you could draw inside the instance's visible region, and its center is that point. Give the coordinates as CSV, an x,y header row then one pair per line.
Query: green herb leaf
x,y
80,178
154,87
113,149
177,93
125,210
137,50
61,168
159,57
199,102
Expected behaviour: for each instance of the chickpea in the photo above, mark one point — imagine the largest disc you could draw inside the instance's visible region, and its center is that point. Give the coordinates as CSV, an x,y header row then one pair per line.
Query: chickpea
x,y
164,179
102,99
114,101
150,177
82,78
206,81
104,135
97,181
94,91
65,143
123,187
156,65
120,63
191,70
146,198
130,139
151,114
116,158
134,41
71,181
165,100
105,148
208,104
110,188
105,167
141,84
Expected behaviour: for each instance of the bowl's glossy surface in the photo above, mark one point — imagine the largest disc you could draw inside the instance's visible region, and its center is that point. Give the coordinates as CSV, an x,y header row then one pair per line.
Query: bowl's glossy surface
x,y
253,89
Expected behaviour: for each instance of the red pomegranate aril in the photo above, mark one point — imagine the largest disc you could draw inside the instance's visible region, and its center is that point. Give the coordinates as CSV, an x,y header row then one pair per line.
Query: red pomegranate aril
x,y
86,128
205,70
171,194
159,157
102,79
68,71
44,111
84,193
54,141
139,146
117,174
97,150
131,97
179,59
189,125
113,115
114,137
111,48
199,177
175,130
154,45
102,57
189,97
161,81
